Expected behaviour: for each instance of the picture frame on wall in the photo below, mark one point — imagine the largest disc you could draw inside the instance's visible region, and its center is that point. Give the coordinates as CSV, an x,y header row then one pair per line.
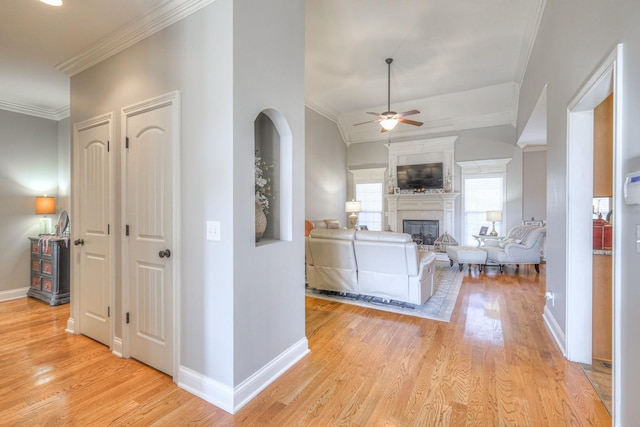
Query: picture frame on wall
x,y
483,231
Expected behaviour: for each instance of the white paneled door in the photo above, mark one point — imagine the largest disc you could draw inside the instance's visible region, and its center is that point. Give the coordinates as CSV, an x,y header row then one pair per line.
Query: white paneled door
x,y
150,132
91,231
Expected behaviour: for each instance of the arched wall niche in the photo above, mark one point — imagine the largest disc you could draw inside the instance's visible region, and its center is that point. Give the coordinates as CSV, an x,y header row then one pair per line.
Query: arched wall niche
x,y
273,143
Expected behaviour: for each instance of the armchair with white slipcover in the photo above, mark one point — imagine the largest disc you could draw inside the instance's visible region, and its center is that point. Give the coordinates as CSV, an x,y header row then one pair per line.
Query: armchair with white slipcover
x,y
522,245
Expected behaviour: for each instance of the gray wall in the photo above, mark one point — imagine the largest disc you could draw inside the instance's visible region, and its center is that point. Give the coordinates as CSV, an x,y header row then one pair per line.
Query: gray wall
x,y
326,169
28,168
241,305
575,36
534,185
64,165
495,142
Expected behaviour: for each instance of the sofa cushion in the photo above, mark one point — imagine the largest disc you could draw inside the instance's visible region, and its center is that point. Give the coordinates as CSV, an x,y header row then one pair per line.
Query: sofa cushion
x,y
333,233
386,252
382,236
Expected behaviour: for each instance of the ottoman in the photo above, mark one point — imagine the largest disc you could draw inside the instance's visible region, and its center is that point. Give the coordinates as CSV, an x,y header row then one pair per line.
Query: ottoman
x,y
466,255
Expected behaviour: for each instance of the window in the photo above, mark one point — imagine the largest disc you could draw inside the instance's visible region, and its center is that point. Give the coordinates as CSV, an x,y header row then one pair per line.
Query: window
x,y
482,194
483,189
370,194
367,188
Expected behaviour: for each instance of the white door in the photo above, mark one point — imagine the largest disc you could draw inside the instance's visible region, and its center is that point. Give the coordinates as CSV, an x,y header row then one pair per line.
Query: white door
x,y
149,159
91,236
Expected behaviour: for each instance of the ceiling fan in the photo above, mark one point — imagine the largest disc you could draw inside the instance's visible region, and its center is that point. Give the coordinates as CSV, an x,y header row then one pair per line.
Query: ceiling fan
x,y
389,119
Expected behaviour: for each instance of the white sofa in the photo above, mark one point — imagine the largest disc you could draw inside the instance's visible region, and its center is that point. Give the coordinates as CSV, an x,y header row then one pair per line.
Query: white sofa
x,y
375,263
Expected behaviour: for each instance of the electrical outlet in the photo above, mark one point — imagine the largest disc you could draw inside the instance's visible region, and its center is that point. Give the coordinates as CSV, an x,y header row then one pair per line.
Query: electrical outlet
x,y
550,296
213,230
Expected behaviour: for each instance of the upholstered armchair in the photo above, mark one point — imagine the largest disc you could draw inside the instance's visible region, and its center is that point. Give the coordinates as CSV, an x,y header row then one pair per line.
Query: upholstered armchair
x,y
522,245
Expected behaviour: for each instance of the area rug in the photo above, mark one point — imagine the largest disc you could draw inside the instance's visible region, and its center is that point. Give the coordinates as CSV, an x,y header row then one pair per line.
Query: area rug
x,y
439,307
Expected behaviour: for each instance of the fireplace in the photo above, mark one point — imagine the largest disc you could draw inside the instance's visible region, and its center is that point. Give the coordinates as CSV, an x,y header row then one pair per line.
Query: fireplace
x,y
422,231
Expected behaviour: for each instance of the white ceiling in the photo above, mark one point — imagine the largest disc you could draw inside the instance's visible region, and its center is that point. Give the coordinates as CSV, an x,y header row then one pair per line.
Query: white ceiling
x,y
459,62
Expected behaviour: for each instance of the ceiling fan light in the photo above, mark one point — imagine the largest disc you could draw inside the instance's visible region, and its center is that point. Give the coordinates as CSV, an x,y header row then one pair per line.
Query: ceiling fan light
x,y
52,2
389,123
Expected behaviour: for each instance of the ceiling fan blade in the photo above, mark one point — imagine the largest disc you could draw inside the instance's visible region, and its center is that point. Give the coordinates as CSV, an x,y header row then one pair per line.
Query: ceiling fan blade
x,y
410,122
408,113
375,114
370,121
383,129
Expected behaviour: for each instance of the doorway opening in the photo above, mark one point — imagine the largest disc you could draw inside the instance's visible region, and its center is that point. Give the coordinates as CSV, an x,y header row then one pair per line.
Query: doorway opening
x,y
603,83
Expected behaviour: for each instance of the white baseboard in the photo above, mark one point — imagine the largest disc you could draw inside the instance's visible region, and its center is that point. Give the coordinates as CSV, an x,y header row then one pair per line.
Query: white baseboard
x,y
116,347
556,332
257,382
205,388
13,294
232,400
71,326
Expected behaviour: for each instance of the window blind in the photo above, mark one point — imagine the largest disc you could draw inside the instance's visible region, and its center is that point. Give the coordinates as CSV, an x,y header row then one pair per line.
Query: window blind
x,y
482,194
370,194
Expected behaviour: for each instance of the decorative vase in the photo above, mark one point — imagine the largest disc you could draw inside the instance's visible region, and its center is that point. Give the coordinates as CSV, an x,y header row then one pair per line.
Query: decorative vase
x,y
447,184
261,222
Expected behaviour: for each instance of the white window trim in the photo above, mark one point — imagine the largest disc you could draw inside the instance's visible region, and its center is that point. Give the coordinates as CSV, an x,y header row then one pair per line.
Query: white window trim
x,y
484,169
371,176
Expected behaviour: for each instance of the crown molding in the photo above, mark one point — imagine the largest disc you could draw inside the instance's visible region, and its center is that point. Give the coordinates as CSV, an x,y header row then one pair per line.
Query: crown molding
x,y
157,19
327,112
533,148
530,35
63,113
474,167
43,113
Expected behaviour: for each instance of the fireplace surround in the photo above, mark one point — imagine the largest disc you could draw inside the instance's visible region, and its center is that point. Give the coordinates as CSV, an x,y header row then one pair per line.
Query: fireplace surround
x,y
436,205
422,231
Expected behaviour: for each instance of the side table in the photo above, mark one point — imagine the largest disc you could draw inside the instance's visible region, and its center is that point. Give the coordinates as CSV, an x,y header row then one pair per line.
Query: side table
x,y
49,270
482,239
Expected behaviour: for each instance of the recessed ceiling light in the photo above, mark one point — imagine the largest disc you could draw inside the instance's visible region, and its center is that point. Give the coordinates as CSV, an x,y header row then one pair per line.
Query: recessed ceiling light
x,y
52,2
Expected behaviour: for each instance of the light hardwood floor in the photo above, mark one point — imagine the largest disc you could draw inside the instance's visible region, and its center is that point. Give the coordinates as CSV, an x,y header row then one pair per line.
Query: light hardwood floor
x,y
494,364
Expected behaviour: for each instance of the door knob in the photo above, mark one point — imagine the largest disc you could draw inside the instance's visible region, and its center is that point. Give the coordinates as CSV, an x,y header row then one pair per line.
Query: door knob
x,y
78,242
165,253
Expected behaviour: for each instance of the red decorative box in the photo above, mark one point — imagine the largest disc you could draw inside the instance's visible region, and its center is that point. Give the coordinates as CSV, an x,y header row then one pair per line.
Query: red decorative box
x,y
602,235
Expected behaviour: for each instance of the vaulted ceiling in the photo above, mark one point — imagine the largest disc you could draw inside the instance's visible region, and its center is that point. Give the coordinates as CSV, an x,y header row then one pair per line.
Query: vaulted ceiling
x,y
459,62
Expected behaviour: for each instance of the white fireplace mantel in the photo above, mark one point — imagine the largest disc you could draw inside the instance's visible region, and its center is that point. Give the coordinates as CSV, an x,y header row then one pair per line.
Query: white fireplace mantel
x,y
434,206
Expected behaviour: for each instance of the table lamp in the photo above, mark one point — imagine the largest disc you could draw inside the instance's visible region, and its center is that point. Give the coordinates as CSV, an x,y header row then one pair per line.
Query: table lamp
x,y
45,206
354,207
494,216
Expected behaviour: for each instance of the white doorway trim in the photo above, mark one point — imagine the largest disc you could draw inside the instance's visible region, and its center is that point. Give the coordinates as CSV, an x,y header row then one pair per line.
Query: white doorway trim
x,y
605,80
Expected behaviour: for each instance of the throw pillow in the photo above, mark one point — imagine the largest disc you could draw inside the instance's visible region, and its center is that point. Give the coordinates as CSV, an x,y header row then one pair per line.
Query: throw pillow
x,y
332,223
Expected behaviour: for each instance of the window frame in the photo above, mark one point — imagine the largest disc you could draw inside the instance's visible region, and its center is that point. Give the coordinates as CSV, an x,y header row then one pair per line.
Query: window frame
x,y
479,169
371,176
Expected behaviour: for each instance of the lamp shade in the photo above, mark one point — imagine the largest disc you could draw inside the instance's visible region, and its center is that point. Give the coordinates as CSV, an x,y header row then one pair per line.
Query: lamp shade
x,y
45,205
353,206
494,216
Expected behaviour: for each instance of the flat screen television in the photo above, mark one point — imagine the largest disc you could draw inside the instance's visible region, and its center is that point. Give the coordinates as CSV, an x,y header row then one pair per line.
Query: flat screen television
x,y
414,177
